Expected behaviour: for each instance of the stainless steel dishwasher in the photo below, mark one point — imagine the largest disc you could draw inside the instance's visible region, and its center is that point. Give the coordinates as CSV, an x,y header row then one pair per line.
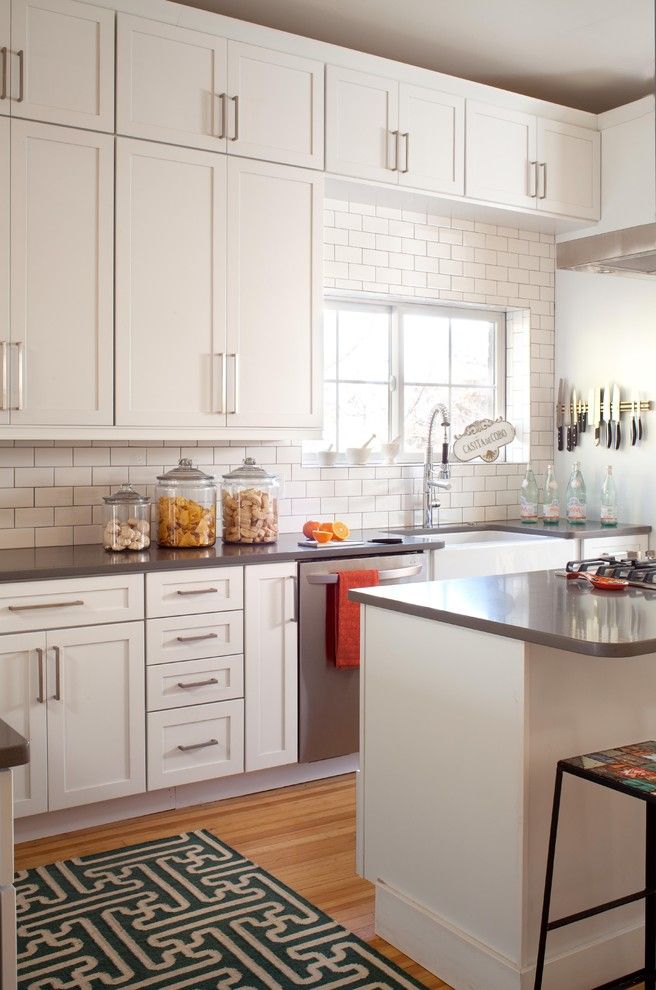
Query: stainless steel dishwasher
x,y
329,697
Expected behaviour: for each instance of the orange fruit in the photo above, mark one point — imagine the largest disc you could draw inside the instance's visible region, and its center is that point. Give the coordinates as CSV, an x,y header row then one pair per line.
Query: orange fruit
x,y
309,528
322,535
340,530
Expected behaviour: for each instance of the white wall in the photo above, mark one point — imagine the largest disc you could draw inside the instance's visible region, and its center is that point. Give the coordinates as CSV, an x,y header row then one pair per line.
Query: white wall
x,y
606,331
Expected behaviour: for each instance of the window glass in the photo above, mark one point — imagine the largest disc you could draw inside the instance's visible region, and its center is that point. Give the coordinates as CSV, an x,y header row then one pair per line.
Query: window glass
x,y
472,352
419,400
363,410
425,348
364,345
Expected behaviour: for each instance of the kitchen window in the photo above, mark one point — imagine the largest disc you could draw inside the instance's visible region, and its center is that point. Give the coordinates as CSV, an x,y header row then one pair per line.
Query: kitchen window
x,y
386,366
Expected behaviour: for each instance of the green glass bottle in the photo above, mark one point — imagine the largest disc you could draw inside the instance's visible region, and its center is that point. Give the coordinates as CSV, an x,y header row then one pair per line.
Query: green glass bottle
x,y
576,497
551,499
609,500
528,498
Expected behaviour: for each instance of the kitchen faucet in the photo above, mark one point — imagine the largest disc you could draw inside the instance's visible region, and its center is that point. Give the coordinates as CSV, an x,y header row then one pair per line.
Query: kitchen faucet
x,y
434,481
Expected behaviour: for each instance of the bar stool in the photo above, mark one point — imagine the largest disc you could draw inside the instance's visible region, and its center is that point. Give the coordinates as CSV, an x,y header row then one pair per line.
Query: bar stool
x,y
630,770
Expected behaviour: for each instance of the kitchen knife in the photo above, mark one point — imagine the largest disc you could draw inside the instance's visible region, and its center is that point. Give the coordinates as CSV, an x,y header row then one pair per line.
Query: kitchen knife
x,y
606,415
581,416
575,419
560,413
589,412
638,414
597,415
635,408
567,412
617,413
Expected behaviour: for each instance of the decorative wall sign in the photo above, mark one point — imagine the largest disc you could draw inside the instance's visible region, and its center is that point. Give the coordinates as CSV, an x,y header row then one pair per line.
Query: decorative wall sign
x,y
484,438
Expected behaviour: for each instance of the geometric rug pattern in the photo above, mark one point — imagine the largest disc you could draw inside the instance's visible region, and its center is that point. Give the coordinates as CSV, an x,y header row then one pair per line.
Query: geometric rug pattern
x,y
182,913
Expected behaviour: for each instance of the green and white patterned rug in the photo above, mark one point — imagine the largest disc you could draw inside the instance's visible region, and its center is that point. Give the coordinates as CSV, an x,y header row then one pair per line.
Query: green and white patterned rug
x,y
182,913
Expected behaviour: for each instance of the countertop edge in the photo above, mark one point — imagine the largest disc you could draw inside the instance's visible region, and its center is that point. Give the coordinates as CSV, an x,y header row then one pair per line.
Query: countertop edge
x,y
14,748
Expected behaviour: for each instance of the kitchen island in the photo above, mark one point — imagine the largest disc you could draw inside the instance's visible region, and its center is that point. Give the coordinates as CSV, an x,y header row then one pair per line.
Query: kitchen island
x,y
14,752
471,691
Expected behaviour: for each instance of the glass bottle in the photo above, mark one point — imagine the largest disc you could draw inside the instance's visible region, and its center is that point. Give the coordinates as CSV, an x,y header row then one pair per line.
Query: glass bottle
x,y
186,505
528,499
551,499
576,497
609,499
249,499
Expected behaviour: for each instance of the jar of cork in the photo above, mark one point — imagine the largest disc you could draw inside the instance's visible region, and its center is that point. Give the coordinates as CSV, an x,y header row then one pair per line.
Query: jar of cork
x,y
249,499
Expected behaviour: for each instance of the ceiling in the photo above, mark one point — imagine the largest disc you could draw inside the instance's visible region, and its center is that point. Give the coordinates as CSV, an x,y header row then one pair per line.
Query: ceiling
x,y
591,54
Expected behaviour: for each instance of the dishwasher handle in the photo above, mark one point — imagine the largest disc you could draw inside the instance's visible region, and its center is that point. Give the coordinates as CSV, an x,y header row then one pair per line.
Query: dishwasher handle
x,y
393,574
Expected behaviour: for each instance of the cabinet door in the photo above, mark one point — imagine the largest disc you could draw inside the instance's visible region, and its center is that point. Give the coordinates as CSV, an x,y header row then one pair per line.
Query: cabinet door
x,y
432,126
23,707
275,106
169,83
5,48
569,169
362,114
271,666
501,152
274,295
96,714
5,131
61,275
67,63
170,286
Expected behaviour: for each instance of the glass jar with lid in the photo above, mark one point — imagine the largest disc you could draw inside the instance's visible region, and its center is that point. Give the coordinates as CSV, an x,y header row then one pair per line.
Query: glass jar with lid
x,y
249,499
126,520
186,507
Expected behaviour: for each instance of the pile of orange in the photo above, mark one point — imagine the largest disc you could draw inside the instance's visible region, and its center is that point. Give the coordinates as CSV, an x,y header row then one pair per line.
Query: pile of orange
x,y
326,532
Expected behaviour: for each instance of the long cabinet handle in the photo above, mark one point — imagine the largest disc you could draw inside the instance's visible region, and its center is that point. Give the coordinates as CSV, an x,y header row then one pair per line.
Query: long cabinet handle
x,y
4,53
220,381
40,655
193,684
29,608
235,100
221,98
294,617
21,75
543,174
198,591
192,746
235,384
196,639
406,135
533,179
395,166
57,696
20,352
5,347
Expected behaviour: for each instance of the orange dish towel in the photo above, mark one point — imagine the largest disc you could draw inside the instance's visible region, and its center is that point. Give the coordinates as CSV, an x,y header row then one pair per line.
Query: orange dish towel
x,y
343,617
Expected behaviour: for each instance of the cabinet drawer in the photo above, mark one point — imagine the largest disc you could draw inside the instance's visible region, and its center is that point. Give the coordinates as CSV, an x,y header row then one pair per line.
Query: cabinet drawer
x,y
70,602
194,682
614,544
187,638
196,743
215,589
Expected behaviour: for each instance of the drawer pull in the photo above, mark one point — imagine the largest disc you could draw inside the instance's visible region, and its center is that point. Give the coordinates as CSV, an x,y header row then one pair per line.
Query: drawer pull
x,y
29,608
197,639
191,684
202,591
187,749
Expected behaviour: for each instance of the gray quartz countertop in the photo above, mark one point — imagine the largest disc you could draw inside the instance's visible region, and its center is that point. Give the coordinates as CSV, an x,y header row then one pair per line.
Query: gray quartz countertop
x,y
14,749
563,530
539,607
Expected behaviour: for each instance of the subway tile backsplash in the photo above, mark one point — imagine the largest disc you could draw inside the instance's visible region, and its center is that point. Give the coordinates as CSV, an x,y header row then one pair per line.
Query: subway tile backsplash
x,y
51,492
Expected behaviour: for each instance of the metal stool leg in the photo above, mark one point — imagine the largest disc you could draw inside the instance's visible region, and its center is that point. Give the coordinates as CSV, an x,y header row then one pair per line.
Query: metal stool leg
x,y
650,897
548,881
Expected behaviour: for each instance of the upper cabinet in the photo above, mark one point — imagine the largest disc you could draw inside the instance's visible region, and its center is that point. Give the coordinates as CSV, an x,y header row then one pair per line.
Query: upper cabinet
x,y
518,159
184,87
432,134
59,63
5,130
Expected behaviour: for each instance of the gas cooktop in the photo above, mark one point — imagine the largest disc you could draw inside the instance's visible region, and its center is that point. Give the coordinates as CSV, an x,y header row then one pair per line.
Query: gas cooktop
x,y
634,567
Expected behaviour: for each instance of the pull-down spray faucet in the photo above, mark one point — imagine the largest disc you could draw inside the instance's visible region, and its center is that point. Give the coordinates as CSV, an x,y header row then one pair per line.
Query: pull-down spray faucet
x,y
436,478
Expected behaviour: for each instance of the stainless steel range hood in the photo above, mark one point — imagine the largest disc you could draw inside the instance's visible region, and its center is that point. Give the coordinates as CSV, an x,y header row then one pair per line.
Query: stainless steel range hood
x,y
631,251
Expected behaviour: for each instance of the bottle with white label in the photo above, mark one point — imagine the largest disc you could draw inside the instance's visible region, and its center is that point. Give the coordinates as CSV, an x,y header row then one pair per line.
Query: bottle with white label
x,y
609,500
551,499
576,498
528,498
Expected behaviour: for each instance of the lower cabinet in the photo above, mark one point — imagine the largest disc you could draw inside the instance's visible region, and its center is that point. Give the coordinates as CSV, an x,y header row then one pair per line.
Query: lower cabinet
x,y
23,707
195,743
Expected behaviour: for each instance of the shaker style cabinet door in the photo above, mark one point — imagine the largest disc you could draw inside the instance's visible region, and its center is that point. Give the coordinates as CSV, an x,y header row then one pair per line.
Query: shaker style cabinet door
x,y
62,66
271,665
62,238
96,714
568,169
170,84
23,707
432,139
5,131
170,286
362,120
274,106
5,48
501,152
274,296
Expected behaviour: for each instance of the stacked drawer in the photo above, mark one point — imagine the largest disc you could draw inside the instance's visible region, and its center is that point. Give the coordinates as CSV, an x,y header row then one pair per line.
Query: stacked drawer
x,y
194,675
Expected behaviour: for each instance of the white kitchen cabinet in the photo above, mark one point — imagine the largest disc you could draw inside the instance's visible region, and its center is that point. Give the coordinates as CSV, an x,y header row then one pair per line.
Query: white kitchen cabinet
x,y
169,83
170,285
274,376
271,665
61,360
96,712
23,707
568,169
612,544
62,62
5,332
362,123
274,106
432,138
5,46
201,742
501,154
188,592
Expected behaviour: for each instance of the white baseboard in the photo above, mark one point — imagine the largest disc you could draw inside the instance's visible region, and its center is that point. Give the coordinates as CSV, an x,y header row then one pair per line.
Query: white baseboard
x,y
465,963
122,809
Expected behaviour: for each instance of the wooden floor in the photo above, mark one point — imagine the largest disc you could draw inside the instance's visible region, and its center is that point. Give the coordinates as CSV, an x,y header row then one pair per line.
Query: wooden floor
x,y
305,835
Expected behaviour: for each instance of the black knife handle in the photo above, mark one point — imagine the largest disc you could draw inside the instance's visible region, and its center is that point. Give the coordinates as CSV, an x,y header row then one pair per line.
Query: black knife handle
x,y
597,435
639,427
575,435
570,445
634,431
618,435
609,434
560,438
584,421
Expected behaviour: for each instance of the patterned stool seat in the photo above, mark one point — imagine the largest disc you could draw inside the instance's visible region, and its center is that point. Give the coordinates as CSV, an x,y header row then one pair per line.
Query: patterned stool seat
x,y
631,769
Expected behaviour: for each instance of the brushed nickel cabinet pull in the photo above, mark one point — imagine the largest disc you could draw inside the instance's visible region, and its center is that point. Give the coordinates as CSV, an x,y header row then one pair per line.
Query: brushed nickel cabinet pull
x,y
187,749
57,696
29,608
222,98
220,381
199,591
5,345
197,639
532,179
235,100
5,61
235,383
543,173
395,166
20,352
406,135
192,684
21,75
41,697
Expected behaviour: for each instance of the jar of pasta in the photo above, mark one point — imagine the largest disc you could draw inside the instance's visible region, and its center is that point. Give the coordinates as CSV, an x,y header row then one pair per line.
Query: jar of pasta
x,y
186,507
126,520
249,501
